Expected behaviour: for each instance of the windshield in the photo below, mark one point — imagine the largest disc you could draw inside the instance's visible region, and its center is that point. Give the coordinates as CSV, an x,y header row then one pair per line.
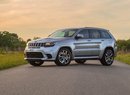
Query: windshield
x,y
64,33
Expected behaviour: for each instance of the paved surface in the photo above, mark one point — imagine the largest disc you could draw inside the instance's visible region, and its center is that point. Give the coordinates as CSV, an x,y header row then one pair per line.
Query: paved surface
x,y
89,79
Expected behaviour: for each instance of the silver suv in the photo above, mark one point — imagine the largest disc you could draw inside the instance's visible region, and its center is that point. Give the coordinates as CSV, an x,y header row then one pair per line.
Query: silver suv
x,y
79,44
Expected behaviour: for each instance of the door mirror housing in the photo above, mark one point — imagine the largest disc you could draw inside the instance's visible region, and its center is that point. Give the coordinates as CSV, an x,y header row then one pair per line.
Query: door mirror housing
x,y
79,36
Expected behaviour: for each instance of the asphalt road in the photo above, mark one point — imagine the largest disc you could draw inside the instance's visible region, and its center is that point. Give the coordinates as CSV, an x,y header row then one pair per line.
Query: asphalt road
x,y
49,79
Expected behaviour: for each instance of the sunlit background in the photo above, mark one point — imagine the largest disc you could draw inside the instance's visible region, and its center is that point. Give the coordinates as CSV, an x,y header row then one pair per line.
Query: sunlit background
x,y
39,18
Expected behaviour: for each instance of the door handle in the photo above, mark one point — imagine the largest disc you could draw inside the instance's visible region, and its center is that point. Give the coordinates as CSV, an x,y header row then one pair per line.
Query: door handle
x,y
89,40
102,40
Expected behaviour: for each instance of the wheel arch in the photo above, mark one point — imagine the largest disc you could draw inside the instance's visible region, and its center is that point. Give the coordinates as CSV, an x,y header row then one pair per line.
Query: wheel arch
x,y
109,47
67,48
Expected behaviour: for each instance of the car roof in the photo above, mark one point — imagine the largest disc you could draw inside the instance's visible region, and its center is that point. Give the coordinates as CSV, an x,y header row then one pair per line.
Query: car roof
x,y
89,28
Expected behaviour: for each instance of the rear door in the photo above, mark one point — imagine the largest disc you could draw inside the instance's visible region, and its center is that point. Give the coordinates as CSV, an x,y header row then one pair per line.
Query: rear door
x,y
106,39
95,41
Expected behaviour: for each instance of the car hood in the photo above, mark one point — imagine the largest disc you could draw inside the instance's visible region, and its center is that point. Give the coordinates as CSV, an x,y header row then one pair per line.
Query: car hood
x,y
50,40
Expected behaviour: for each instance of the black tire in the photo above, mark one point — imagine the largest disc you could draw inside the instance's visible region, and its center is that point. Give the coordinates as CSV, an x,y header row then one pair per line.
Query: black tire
x,y
63,57
108,57
80,61
36,63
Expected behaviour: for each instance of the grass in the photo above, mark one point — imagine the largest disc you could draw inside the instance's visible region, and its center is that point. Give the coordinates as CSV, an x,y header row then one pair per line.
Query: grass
x,y
123,57
11,60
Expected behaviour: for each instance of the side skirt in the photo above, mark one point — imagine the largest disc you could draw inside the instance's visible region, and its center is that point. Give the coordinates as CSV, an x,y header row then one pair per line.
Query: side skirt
x,y
88,57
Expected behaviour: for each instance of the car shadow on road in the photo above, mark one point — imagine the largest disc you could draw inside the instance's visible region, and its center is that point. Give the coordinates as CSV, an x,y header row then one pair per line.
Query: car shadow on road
x,y
73,65
88,65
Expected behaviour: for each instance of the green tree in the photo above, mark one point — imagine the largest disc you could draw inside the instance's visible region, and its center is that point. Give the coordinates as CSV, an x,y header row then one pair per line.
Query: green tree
x,y
123,45
35,38
10,41
28,40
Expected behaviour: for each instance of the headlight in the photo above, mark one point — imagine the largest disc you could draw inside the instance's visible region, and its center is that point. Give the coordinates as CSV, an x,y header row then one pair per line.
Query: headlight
x,y
49,44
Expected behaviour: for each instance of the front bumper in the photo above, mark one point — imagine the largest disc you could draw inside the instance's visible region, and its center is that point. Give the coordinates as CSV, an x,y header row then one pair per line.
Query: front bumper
x,y
48,53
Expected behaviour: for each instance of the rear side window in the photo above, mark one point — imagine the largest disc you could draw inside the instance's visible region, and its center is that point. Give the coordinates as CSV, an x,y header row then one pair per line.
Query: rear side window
x,y
95,34
85,33
105,34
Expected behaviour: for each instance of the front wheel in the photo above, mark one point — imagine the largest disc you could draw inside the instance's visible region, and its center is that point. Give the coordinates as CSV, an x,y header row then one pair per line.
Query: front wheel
x,y
36,63
63,57
107,58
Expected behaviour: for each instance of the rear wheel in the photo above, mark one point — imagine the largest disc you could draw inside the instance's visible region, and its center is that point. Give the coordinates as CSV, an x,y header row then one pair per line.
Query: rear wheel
x,y
80,61
107,58
63,57
36,63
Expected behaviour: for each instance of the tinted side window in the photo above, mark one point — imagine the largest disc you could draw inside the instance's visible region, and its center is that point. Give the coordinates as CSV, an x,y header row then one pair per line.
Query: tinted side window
x,y
104,34
85,33
95,34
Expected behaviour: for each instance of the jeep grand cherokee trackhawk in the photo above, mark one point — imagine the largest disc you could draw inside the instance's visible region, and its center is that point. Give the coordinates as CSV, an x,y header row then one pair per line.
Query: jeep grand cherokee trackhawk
x,y
79,44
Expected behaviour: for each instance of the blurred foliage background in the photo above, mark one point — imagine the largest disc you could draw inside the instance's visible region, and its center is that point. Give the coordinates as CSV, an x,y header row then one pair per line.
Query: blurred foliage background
x,y
10,42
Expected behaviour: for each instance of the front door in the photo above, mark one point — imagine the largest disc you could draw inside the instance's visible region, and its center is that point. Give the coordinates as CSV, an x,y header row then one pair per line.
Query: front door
x,y
89,45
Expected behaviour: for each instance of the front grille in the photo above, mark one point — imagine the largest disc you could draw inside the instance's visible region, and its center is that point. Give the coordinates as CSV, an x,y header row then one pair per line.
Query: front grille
x,y
35,45
34,55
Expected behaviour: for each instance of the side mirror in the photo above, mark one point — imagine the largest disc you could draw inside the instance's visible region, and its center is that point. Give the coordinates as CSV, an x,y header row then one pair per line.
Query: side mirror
x,y
79,36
